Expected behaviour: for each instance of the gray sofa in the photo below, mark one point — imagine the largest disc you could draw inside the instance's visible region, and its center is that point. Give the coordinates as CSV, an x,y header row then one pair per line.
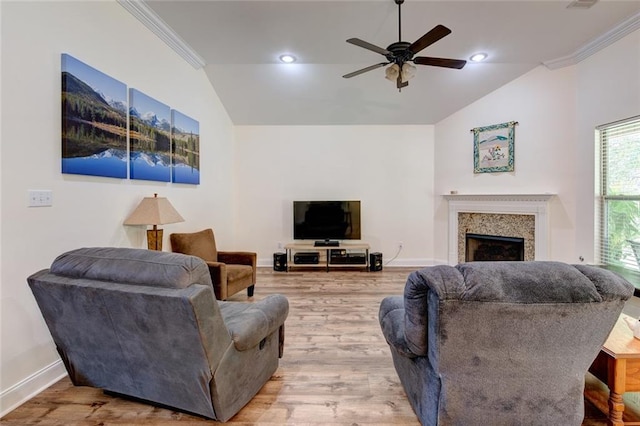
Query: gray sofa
x,y
500,343
146,324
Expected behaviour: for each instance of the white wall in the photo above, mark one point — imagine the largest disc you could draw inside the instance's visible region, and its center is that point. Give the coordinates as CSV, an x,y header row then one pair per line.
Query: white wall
x,y
388,168
557,112
87,211
543,103
608,89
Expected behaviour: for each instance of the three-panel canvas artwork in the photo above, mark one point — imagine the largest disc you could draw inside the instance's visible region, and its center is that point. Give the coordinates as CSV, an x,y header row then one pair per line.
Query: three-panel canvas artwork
x,y
107,133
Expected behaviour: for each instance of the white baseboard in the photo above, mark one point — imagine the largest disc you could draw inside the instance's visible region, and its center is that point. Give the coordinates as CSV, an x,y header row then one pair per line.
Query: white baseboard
x,y
407,263
21,392
401,263
264,263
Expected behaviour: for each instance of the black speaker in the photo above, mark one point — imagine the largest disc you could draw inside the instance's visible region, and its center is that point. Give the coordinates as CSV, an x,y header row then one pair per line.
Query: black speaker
x,y
375,261
280,262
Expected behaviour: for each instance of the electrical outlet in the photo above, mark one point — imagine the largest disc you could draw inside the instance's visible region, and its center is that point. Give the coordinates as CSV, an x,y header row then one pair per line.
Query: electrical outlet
x,y
279,245
400,245
40,198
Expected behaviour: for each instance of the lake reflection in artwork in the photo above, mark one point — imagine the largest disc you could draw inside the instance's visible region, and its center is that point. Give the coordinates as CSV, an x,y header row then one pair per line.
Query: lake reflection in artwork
x,y
109,163
150,166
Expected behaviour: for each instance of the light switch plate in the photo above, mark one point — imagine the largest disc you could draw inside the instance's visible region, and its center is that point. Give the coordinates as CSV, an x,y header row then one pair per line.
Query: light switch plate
x,y
40,198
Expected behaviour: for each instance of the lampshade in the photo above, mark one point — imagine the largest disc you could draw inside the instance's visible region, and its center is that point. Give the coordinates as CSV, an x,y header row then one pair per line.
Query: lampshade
x,y
391,73
408,72
154,211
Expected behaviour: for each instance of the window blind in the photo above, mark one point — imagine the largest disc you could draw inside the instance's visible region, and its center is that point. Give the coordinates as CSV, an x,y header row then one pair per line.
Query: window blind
x,y
618,239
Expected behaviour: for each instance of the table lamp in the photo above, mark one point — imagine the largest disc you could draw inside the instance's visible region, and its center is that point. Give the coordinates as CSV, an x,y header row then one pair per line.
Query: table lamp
x,y
154,211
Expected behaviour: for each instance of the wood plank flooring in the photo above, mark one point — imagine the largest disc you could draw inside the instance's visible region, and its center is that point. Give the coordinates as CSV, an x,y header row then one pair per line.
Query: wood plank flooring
x,y
336,369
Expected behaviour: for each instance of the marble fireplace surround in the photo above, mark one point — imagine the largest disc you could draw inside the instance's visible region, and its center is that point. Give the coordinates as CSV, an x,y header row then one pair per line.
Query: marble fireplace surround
x,y
536,205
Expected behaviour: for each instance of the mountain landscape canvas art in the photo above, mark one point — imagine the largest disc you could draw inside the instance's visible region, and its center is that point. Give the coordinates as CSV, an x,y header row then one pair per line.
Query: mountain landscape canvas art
x,y
94,121
185,141
149,138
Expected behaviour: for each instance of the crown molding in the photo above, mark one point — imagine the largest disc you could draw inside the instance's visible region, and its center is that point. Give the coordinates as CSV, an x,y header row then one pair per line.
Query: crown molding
x,y
619,31
151,20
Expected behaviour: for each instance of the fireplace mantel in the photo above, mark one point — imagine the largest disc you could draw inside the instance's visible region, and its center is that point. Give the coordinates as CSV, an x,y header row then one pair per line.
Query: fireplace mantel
x,y
500,197
521,204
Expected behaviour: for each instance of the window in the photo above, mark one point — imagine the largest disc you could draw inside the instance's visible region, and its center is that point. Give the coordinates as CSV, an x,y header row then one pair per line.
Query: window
x,y
619,237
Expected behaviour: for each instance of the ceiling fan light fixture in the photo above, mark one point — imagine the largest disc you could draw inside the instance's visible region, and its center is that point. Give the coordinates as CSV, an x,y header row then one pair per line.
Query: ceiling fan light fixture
x,y
399,53
391,73
408,72
288,59
478,57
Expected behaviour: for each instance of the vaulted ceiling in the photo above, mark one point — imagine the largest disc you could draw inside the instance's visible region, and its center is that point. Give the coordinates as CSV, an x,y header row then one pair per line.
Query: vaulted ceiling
x,y
238,44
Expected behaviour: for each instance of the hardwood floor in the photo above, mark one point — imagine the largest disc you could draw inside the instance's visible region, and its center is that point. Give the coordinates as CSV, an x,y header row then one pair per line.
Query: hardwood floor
x,y
336,369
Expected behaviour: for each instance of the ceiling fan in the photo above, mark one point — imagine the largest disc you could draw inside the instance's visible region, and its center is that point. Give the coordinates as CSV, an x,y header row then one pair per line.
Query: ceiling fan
x,y
401,53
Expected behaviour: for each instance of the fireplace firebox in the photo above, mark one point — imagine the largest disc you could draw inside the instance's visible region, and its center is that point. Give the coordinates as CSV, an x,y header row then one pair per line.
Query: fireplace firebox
x,y
484,248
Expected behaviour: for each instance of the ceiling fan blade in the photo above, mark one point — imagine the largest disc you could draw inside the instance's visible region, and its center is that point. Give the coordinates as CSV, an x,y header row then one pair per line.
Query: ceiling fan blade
x,y
368,46
438,32
440,62
363,70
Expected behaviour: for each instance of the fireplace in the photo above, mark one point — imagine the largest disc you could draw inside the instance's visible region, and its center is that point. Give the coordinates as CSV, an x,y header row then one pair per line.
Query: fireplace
x,y
487,248
497,226
503,215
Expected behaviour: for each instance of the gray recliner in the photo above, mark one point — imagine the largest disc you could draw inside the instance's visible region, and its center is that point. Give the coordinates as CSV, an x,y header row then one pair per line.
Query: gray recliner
x,y
146,324
500,343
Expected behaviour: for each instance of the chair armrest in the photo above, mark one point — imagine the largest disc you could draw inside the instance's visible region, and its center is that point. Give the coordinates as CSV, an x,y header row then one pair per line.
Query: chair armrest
x,y
249,323
218,272
238,257
391,318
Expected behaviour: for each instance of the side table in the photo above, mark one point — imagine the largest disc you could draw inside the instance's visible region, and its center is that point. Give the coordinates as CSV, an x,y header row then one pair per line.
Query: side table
x,y
618,366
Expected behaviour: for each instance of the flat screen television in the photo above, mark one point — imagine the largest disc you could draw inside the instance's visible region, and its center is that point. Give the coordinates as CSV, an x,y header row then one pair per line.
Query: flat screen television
x,y
326,220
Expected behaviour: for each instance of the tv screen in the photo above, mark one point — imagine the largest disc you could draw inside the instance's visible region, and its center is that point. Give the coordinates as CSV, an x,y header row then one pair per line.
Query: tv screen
x,y
326,220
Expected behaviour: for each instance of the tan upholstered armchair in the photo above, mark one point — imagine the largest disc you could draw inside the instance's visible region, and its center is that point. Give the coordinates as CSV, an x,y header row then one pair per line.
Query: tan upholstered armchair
x,y
231,271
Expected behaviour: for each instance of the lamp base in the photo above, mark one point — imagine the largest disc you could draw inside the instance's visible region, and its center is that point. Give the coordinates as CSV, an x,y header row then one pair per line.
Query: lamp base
x,y
154,239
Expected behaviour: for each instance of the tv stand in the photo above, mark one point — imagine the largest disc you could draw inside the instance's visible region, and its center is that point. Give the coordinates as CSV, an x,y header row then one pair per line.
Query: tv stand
x,y
348,255
326,243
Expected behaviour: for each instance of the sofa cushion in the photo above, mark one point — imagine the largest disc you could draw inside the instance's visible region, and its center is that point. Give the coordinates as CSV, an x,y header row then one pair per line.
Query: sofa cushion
x,y
238,272
133,266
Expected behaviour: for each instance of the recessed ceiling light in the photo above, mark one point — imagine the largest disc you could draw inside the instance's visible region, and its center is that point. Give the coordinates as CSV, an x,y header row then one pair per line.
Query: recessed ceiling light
x,y
287,59
581,4
478,57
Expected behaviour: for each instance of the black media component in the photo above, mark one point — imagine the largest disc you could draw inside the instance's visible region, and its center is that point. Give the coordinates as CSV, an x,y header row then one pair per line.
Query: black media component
x,y
337,253
280,262
356,259
341,257
375,261
326,221
306,258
